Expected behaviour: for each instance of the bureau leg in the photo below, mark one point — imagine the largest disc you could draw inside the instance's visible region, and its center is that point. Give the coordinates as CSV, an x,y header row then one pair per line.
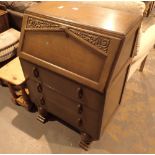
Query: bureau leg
x,y
85,141
43,115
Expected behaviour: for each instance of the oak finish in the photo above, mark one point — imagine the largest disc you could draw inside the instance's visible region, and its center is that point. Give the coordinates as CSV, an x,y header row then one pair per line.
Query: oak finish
x,y
76,58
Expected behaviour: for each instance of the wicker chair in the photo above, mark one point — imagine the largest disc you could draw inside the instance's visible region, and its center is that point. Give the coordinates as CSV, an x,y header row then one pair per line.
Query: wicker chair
x,y
9,41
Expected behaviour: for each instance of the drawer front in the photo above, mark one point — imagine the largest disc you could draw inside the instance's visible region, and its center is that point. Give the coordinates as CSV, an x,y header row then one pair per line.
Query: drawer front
x,y
74,113
64,86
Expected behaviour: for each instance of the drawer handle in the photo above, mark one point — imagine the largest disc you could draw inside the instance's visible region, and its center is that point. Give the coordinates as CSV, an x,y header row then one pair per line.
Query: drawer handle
x,y
79,122
80,92
39,88
80,108
42,101
35,72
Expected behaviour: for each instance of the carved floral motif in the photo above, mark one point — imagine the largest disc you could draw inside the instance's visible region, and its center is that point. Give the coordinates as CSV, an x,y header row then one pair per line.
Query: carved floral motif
x,y
40,24
98,41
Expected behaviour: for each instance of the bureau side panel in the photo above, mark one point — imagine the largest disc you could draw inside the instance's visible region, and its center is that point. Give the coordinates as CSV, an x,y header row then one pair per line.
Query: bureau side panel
x,y
119,74
127,52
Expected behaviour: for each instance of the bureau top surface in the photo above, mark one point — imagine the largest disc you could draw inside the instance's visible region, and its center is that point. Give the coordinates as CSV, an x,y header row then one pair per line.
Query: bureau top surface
x,y
89,15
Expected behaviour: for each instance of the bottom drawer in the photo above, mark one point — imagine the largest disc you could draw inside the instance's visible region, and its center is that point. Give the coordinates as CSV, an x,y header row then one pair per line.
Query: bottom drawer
x,y
66,109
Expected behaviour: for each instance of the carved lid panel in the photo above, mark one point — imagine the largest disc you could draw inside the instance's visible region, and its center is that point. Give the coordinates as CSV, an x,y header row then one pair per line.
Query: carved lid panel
x,y
95,40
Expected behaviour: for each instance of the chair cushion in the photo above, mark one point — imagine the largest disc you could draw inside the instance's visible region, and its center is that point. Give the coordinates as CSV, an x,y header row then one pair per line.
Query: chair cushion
x,y
9,41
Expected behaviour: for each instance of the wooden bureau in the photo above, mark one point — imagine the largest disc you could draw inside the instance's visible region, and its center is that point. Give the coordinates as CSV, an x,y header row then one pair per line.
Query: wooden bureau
x,y
4,25
76,59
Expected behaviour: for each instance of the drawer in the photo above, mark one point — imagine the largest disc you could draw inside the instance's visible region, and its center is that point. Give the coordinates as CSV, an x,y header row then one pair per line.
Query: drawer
x,y
82,118
64,86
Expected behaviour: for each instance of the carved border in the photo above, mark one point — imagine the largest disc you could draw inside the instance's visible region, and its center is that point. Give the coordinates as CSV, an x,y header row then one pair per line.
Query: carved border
x,y
100,42
92,39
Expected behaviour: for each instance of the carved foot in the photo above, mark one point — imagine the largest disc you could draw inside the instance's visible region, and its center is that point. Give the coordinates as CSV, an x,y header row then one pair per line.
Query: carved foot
x,y
43,115
85,141
41,119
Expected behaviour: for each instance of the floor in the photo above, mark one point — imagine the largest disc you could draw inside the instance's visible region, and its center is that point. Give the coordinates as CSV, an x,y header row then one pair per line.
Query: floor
x,y
132,129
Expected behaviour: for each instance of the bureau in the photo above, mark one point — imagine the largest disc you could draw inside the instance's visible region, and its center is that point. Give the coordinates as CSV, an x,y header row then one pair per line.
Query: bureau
x,y
76,58
4,25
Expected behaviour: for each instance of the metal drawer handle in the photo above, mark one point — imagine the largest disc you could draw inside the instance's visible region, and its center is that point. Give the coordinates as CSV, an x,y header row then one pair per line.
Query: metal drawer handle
x,y
42,101
80,108
35,72
79,122
39,88
80,92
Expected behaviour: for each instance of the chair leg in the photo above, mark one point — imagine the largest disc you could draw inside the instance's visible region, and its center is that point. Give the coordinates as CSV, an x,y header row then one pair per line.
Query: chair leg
x,y
43,115
21,99
142,65
13,93
26,102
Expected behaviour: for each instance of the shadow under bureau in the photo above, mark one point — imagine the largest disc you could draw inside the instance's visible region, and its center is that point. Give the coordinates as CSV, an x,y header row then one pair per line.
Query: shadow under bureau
x,y
76,58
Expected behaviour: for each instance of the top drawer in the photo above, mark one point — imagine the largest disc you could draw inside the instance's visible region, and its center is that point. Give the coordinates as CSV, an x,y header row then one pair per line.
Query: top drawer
x,y
80,54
